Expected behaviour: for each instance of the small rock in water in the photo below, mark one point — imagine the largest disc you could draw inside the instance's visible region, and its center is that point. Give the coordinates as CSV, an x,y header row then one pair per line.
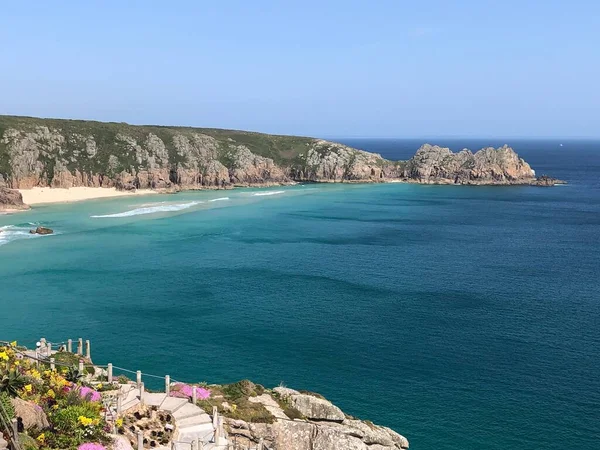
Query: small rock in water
x,y
41,230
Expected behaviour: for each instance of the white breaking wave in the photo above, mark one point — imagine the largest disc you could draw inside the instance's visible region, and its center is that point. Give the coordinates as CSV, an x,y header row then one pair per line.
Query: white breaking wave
x,y
11,233
219,199
150,210
260,194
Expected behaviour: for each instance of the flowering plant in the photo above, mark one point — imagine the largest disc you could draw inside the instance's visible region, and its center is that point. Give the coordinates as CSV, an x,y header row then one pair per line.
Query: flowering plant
x,y
185,390
91,446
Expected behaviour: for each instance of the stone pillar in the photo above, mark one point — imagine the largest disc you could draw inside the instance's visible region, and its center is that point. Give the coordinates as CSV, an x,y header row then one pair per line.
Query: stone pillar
x,y
119,403
221,430
167,384
215,416
217,436
140,440
81,366
195,445
15,427
138,378
80,346
52,365
142,389
88,350
48,349
261,442
109,374
70,345
194,395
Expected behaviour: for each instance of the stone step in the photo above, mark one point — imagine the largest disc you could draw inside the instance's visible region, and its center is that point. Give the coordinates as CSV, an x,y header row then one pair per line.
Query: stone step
x,y
213,446
130,404
172,404
200,419
186,411
204,432
132,395
207,446
154,399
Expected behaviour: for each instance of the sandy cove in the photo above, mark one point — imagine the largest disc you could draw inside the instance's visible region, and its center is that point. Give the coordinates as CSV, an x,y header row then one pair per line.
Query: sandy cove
x,y
45,195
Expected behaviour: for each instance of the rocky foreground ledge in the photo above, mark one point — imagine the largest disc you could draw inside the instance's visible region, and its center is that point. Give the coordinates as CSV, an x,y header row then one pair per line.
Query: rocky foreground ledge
x,y
300,420
58,400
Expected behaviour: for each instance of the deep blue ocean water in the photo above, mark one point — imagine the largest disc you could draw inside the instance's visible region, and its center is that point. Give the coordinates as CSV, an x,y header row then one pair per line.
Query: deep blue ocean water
x,y
462,317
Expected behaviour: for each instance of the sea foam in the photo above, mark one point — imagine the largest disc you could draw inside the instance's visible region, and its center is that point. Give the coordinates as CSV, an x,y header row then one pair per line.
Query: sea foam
x,y
150,210
261,194
9,233
220,199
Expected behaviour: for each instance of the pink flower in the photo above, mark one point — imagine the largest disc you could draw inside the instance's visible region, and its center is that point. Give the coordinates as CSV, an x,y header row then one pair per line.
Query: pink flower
x,y
85,392
91,446
202,393
184,390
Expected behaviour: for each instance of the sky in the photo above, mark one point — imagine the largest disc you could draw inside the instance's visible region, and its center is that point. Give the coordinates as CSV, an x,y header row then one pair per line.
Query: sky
x,y
323,68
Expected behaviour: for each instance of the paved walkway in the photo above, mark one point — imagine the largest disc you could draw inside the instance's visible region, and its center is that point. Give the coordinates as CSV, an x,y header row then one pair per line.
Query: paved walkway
x,y
191,421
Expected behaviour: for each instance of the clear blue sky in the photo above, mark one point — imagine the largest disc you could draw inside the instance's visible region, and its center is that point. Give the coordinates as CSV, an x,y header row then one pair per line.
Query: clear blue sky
x,y
321,68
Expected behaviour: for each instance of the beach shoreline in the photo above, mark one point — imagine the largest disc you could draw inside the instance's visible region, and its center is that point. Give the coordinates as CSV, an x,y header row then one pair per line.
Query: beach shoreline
x,y
46,195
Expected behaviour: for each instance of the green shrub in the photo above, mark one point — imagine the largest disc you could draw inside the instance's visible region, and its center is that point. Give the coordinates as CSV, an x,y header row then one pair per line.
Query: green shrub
x,y
241,389
27,442
66,420
11,382
73,374
250,412
7,405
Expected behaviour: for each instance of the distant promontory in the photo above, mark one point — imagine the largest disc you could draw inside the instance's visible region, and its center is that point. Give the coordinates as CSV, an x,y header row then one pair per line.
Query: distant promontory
x,y
69,153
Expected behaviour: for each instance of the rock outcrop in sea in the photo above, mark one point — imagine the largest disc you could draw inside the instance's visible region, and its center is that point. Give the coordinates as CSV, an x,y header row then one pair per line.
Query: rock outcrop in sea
x,y
67,153
438,165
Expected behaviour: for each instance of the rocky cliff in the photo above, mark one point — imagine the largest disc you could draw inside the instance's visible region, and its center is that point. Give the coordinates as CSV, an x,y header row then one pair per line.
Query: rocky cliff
x,y
307,421
66,153
11,200
433,164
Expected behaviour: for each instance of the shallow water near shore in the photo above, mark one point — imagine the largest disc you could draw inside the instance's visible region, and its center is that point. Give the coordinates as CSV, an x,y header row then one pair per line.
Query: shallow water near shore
x,y
462,317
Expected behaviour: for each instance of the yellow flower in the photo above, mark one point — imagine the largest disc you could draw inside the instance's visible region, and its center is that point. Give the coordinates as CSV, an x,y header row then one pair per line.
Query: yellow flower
x,y
85,421
27,388
13,344
4,356
47,373
55,406
119,422
41,438
233,407
17,363
99,386
50,393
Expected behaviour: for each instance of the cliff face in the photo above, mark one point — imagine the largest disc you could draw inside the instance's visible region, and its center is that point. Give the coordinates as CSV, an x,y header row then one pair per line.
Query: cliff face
x,y
67,153
11,199
433,164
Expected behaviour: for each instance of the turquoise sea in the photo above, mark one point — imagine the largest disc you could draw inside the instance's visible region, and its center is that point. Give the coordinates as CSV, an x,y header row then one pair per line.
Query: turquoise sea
x,y
462,317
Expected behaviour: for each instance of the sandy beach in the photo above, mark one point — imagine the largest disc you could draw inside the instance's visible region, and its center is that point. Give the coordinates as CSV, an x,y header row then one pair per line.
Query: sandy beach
x,y
38,195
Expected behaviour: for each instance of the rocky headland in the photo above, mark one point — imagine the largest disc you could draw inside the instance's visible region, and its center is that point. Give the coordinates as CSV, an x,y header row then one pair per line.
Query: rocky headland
x,y
71,153
60,400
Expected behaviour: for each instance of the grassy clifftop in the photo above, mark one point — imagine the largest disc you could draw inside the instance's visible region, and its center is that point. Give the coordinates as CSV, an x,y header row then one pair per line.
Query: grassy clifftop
x,y
281,149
